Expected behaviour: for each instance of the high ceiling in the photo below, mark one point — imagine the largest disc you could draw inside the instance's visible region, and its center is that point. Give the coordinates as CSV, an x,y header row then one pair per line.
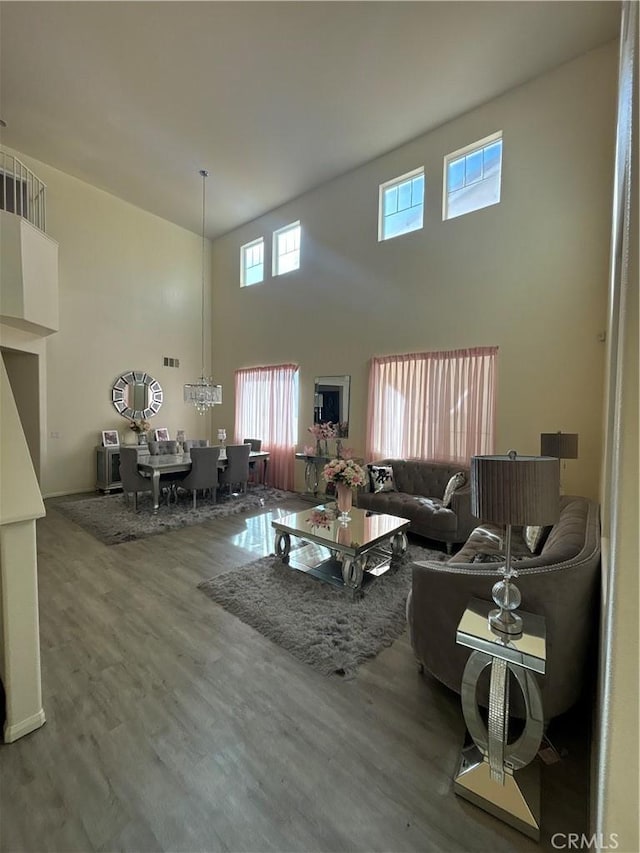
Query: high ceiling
x,y
273,98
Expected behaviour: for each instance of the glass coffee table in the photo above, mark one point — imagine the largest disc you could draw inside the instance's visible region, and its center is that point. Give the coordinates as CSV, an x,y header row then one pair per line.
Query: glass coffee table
x,y
350,555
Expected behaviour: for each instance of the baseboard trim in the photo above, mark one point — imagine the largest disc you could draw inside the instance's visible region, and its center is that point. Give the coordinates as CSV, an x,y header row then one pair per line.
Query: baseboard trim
x,y
65,494
24,727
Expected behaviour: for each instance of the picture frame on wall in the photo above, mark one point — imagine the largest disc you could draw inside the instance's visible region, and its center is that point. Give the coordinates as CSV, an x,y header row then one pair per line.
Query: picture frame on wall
x,y
162,434
110,438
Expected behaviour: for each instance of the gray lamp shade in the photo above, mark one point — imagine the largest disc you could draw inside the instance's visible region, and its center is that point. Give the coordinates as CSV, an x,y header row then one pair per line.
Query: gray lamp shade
x,y
515,489
562,445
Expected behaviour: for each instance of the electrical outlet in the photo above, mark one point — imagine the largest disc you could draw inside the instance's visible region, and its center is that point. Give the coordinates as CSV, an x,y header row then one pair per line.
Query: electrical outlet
x,y
53,434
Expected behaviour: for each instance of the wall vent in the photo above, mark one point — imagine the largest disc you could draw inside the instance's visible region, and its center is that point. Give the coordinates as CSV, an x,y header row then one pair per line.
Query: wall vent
x,y
171,362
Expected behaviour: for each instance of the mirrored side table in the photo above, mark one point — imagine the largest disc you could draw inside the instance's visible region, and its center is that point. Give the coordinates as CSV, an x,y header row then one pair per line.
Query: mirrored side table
x,y
313,466
494,774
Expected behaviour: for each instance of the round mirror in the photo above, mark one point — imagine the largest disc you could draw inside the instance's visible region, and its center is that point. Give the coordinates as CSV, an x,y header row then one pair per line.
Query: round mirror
x,y
136,395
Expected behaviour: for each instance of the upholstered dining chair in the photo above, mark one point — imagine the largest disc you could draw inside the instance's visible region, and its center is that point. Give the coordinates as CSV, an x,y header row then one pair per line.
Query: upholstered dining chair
x,y
195,442
158,448
256,446
204,472
132,480
237,470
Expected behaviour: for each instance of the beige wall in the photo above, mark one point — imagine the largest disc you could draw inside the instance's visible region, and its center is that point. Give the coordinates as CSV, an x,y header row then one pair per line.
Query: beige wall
x,y
130,293
529,274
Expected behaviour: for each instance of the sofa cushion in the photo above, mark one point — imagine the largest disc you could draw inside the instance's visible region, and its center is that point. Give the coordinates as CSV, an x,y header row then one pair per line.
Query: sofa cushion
x,y
457,481
381,478
534,537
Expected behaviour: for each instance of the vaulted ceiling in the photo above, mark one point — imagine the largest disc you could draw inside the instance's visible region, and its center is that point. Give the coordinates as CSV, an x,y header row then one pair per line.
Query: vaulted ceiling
x,y
273,98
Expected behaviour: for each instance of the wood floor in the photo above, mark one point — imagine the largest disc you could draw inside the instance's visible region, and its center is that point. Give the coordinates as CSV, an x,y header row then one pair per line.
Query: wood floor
x,y
171,725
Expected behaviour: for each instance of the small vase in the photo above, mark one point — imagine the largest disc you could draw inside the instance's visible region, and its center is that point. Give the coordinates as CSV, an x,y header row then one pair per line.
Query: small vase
x,y
319,448
338,448
344,501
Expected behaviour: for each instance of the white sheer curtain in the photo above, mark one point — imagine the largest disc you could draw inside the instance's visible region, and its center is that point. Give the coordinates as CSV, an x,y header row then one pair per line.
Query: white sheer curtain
x,y
267,408
432,405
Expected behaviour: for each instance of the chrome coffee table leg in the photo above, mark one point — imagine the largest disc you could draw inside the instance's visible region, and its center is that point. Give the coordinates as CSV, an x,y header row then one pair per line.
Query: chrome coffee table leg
x,y
352,572
282,546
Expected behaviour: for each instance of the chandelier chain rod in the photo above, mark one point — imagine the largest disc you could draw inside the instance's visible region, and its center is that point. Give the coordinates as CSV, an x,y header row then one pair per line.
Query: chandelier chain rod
x,y
204,174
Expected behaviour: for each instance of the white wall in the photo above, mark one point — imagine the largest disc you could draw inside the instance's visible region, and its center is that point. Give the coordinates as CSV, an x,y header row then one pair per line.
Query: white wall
x,y
528,275
130,293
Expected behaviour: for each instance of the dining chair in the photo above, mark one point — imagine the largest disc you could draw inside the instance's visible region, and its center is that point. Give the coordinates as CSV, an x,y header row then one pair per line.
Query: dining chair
x,y
159,448
132,480
237,470
256,447
204,472
195,442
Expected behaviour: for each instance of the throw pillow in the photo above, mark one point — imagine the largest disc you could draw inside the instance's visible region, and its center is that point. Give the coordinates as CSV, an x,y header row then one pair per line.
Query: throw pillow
x,y
454,483
381,478
534,537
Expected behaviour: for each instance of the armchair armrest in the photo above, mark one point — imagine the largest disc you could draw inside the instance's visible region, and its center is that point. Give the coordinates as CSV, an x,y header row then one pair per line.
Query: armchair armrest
x,y
461,505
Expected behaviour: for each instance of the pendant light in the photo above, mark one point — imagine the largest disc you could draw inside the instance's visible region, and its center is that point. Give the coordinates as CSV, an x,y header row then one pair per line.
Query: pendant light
x,y
203,393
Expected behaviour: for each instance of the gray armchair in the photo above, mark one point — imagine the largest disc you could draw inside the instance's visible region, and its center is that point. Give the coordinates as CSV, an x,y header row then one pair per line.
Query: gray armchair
x,y
132,480
561,583
237,470
204,472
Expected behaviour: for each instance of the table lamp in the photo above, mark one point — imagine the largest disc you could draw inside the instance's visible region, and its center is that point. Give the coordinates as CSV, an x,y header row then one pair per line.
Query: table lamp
x,y
562,445
512,490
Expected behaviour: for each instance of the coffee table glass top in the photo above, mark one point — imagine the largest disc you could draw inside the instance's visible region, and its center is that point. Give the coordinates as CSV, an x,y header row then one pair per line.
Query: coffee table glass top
x,y
320,524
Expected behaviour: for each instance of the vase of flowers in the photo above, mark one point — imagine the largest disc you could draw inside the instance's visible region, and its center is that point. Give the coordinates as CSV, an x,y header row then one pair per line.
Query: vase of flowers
x,y
322,433
346,475
140,428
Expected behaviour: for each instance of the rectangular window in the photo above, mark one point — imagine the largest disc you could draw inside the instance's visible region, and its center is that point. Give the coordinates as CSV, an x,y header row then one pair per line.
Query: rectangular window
x,y
252,262
286,249
432,405
267,408
401,205
472,177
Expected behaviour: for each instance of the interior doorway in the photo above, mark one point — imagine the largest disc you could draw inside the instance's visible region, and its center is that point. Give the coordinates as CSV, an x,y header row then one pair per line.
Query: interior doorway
x,y
23,372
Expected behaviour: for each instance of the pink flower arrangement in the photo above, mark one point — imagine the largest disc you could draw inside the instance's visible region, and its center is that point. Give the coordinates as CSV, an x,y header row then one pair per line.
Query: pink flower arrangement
x,y
321,518
345,471
322,431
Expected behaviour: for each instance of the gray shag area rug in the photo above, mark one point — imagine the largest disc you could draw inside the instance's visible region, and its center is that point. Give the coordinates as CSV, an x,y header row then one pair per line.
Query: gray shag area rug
x,y
319,623
110,520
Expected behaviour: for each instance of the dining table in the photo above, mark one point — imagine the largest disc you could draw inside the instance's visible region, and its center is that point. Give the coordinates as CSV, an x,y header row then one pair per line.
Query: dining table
x,y
155,466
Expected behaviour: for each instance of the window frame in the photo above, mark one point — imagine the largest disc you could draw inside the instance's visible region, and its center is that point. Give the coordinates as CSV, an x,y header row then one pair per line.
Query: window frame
x,y
243,264
383,187
274,247
478,145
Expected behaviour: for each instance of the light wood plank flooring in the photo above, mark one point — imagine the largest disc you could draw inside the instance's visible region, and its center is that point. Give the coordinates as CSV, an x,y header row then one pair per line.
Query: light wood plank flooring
x,y
173,726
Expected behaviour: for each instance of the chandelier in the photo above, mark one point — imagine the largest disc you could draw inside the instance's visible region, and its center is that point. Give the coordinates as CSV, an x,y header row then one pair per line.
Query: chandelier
x,y
203,393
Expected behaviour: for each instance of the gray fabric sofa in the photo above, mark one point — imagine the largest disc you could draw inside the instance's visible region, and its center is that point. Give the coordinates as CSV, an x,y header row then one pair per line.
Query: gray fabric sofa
x,y
561,583
420,487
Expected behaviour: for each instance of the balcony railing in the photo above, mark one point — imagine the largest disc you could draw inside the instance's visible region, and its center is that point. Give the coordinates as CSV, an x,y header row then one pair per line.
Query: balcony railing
x,y
22,192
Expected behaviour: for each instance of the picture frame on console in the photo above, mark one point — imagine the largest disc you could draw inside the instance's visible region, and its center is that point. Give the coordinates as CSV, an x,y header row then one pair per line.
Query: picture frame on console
x,y
110,438
162,434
